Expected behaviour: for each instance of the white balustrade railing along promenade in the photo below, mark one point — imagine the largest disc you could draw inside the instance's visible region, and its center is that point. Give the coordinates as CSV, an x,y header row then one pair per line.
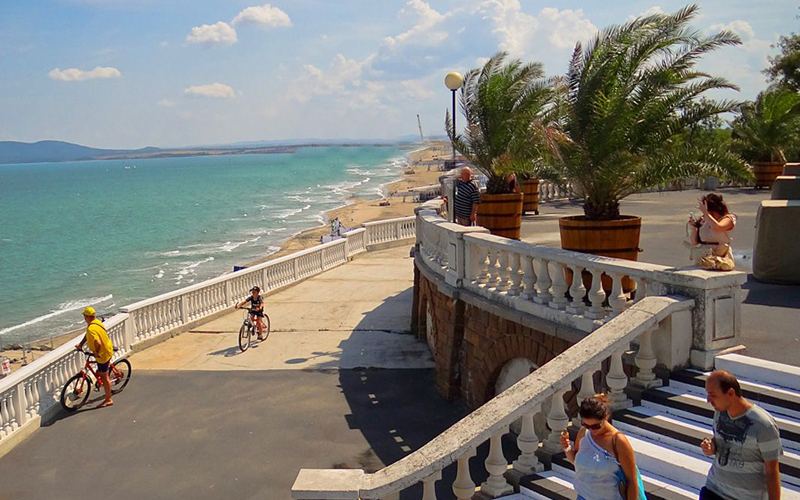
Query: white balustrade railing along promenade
x,y
523,401
33,392
550,191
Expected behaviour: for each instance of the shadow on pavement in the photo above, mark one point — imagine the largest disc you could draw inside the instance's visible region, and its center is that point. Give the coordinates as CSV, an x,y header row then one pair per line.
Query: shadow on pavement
x,y
767,294
399,411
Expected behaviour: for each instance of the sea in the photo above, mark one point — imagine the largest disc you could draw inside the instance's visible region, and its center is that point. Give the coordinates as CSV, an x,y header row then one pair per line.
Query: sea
x,y
108,233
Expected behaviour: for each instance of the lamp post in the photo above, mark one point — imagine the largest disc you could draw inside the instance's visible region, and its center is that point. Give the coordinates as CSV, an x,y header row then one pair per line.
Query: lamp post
x,y
454,81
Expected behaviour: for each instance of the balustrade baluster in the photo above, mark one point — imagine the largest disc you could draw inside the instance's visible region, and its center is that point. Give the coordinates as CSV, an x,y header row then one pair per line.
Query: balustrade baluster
x,y
496,465
577,291
485,259
646,361
528,277
503,283
463,487
596,296
641,288
516,275
617,300
559,287
558,421
528,444
429,486
494,269
543,284
616,380
586,391
6,427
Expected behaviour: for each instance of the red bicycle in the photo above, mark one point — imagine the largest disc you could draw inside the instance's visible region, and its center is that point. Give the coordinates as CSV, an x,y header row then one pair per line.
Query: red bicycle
x,y
76,391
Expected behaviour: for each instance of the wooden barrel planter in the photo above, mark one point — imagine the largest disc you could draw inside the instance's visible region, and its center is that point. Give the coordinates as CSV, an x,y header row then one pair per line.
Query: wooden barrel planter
x,y
501,214
530,188
615,238
766,172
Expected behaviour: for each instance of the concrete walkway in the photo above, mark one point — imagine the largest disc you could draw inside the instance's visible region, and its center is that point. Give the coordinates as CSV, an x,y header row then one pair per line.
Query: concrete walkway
x,y
338,384
353,316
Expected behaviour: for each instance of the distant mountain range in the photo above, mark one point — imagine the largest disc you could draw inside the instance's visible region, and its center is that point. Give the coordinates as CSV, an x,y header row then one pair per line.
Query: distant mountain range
x,y
53,151
42,151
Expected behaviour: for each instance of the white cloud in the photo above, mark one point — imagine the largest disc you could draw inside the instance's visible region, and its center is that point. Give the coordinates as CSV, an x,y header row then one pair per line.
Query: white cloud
x,y
220,33
741,28
79,75
265,16
215,90
424,18
166,103
164,44
655,9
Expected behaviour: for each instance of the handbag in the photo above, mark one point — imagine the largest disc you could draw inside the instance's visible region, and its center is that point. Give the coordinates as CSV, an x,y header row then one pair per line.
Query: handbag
x,y
623,481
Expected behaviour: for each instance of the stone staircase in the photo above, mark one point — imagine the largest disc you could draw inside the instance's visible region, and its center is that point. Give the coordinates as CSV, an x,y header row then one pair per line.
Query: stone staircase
x,y
666,428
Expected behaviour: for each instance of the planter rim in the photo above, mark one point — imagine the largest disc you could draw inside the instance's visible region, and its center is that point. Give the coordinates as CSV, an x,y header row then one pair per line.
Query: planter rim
x,y
582,218
509,195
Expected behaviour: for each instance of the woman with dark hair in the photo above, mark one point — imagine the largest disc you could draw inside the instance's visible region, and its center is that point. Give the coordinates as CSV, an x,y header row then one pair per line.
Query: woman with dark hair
x,y
711,234
605,464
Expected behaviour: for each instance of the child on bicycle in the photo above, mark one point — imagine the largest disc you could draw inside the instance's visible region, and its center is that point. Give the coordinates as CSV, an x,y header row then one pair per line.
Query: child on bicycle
x,y
256,309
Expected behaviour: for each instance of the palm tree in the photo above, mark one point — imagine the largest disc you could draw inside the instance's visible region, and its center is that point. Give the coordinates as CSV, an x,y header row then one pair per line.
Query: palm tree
x,y
500,103
768,126
630,95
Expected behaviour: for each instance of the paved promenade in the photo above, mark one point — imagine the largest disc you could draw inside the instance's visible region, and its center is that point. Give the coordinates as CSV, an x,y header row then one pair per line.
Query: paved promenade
x,y
339,383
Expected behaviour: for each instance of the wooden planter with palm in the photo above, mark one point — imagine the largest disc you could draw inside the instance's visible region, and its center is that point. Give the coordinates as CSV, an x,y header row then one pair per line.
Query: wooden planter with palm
x,y
766,172
530,204
614,238
501,214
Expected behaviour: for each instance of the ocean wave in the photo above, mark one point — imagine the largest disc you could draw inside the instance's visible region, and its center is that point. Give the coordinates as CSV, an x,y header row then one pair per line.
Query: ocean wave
x,y
65,307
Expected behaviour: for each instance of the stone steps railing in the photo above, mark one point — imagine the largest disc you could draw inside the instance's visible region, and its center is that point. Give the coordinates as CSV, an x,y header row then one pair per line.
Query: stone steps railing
x,y
32,393
524,401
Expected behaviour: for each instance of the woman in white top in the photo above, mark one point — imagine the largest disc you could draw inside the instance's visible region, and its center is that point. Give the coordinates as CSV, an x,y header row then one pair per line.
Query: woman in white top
x,y
713,231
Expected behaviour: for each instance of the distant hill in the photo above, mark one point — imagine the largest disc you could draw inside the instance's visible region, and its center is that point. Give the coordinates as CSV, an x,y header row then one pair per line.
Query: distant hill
x,y
42,151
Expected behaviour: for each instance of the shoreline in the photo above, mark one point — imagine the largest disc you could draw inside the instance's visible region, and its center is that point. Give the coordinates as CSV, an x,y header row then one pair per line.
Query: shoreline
x,y
355,212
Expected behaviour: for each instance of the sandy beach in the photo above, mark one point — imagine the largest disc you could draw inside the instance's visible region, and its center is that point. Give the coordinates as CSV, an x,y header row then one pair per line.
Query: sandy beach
x,y
422,170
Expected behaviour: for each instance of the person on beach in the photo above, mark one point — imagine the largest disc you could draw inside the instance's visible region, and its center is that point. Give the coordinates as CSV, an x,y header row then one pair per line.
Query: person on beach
x,y
256,309
605,464
99,343
746,445
711,234
467,197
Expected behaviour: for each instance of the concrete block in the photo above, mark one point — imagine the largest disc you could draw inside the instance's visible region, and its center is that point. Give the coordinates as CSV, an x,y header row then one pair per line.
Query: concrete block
x,y
791,169
323,484
672,340
776,253
786,187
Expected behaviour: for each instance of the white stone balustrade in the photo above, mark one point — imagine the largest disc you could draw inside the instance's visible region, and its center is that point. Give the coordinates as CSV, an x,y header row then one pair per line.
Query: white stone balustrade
x,y
390,230
491,421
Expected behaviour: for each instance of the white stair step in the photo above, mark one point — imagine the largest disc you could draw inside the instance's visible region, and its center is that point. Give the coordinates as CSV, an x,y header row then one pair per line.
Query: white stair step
x,y
665,461
787,407
556,481
672,425
782,420
760,370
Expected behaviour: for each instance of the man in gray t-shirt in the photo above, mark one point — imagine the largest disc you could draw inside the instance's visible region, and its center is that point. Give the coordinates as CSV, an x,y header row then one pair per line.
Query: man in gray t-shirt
x,y
746,445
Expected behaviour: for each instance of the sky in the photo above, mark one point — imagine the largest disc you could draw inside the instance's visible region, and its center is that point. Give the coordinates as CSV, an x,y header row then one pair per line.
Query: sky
x,y
171,73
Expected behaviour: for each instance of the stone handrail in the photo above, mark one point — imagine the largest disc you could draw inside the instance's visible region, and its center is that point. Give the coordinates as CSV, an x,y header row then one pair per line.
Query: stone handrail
x,y
492,420
383,231
550,191
32,392
533,279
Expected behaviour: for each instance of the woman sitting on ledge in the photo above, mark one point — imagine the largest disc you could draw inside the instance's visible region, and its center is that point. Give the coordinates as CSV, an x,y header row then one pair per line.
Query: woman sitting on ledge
x,y
710,235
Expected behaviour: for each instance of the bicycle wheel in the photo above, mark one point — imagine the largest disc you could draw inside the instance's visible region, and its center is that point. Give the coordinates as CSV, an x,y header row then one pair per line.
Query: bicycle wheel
x,y
119,374
265,320
75,392
245,332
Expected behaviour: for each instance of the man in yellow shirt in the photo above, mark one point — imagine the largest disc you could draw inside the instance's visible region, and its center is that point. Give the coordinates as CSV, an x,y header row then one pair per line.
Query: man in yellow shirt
x,y
100,344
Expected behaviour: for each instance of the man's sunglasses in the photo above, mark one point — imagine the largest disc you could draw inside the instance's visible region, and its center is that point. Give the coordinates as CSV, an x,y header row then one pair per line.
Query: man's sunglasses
x,y
593,427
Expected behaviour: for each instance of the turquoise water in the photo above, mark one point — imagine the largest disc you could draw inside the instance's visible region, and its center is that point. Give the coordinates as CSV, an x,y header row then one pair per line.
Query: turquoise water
x,y
109,233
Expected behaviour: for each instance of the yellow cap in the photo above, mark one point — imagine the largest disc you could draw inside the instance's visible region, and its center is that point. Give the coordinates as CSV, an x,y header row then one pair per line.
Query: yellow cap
x,y
89,311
